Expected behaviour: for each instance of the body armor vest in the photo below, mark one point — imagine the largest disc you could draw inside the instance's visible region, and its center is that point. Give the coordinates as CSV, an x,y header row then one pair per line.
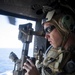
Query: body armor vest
x,y
55,60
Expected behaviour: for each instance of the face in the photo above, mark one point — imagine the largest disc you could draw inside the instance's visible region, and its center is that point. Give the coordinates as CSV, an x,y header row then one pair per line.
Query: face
x,y
52,34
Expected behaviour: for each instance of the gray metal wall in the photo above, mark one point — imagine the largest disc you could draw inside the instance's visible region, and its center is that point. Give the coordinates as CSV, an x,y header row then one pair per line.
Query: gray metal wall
x,y
39,42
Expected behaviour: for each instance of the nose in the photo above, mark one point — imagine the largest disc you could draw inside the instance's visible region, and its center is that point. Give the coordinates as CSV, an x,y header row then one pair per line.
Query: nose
x,y
47,36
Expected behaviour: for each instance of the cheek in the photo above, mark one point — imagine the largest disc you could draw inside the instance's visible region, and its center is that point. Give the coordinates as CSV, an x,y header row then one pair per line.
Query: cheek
x,y
56,38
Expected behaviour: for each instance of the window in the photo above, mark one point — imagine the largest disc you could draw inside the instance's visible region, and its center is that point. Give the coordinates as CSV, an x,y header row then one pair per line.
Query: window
x,y
9,42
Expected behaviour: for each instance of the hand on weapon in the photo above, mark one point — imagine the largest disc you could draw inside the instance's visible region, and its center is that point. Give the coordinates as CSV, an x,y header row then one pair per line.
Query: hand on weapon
x,y
30,68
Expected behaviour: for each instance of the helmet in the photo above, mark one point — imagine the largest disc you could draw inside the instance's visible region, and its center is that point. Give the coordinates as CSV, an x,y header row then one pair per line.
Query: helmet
x,y
63,22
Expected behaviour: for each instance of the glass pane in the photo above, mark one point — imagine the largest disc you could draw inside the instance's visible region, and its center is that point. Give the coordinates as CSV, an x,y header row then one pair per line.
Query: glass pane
x,y
9,42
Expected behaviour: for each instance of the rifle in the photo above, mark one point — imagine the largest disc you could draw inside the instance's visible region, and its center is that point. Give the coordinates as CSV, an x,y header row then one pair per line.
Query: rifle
x,y
25,35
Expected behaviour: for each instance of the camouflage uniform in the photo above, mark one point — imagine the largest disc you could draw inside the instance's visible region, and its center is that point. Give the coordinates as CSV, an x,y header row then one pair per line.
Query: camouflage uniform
x,y
55,61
